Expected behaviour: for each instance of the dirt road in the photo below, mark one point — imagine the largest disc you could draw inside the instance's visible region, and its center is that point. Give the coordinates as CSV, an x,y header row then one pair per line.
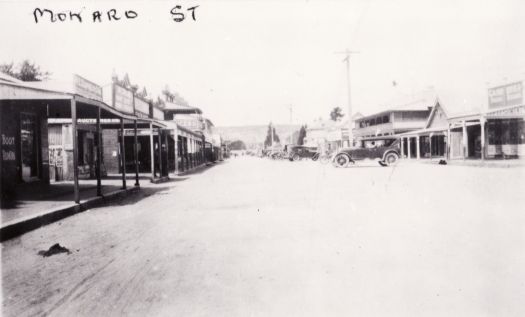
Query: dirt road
x,y
254,237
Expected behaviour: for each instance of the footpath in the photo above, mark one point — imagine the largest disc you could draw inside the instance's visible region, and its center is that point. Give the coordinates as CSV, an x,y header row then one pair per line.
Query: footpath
x,y
37,205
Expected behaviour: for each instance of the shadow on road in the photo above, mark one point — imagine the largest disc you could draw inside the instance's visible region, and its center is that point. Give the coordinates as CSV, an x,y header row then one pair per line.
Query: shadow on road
x,y
203,168
138,195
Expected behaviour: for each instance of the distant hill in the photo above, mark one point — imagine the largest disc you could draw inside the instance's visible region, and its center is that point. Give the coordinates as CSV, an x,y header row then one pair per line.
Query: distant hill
x,y
253,135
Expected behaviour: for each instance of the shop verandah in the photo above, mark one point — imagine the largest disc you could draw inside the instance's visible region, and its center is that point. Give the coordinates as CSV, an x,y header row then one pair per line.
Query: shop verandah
x,y
179,149
491,135
27,159
423,144
494,134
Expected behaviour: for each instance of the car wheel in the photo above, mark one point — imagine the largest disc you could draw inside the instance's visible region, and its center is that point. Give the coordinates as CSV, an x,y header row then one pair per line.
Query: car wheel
x,y
296,157
391,158
315,157
341,160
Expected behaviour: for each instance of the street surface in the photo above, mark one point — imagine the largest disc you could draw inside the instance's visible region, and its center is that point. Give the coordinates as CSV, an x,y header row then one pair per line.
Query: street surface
x,y
256,237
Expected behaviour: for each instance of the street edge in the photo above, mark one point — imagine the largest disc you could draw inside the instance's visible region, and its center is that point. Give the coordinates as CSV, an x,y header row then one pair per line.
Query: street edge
x,y
17,228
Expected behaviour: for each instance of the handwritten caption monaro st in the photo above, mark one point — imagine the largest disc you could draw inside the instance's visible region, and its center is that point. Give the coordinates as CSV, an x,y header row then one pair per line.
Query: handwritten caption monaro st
x,y
177,13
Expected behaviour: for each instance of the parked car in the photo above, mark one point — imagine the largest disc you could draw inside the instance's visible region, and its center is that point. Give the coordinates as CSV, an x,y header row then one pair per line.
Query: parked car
x,y
298,152
385,150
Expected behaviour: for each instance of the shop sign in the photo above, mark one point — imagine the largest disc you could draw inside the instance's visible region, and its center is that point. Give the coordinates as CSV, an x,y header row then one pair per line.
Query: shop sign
x,y
91,121
158,114
140,132
506,95
123,99
8,146
514,111
141,108
86,88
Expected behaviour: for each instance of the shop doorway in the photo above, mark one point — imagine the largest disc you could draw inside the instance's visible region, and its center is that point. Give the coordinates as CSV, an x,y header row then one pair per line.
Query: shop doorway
x,y
413,147
474,141
29,147
438,145
144,153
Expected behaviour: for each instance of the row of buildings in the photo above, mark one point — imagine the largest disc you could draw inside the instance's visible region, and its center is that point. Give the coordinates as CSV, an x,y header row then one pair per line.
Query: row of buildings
x,y
75,129
428,128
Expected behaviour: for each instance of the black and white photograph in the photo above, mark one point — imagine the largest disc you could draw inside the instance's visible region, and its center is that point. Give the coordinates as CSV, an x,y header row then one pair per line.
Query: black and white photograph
x,y
262,158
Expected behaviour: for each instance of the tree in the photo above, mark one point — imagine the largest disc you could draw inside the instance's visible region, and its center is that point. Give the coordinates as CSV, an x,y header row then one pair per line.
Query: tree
x,y
8,69
336,114
302,135
268,141
237,145
26,71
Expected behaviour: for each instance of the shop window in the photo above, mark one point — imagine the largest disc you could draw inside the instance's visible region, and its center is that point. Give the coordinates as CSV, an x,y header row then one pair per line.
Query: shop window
x,y
513,135
495,132
379,120
386,119
521,132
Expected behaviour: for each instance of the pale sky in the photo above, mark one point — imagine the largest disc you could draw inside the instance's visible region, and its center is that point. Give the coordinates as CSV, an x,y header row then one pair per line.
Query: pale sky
x,y
245,62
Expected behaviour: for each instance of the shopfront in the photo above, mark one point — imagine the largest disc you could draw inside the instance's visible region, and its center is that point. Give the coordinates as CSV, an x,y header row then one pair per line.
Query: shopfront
x,y
506,138
52,128
431,141
24,145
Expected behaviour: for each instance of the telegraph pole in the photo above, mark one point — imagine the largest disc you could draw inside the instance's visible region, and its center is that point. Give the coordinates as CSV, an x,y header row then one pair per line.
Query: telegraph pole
x,y
347,54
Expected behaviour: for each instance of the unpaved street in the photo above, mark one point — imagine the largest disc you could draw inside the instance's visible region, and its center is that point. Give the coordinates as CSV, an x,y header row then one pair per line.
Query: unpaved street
x,y
255,237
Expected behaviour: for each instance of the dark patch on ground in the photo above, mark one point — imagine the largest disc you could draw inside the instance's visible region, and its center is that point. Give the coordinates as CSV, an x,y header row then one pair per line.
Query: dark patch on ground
x,y
54,249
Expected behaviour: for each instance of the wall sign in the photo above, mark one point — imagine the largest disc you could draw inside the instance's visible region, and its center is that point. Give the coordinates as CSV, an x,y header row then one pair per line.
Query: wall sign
x,y
8,147
122,99
158,114
86,88
141,108
506,95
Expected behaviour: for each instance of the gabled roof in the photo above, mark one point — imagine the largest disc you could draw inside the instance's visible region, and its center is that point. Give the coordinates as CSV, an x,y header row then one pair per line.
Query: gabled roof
x,y
437,105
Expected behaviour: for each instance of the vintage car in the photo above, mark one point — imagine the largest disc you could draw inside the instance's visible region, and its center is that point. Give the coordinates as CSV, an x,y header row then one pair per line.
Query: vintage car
x,y
383,149
297,152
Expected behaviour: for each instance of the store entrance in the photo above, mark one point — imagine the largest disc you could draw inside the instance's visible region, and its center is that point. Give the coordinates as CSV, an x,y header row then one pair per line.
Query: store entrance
x,y
474,141
29,147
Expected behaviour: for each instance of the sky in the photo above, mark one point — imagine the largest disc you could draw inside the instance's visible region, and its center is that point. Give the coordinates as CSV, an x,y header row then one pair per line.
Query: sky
x,y
249,62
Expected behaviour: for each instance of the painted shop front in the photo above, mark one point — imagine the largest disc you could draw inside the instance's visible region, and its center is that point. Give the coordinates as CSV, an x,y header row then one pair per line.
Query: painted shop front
x,y
60,136
143,138
494,134
24,142
431,141
190,149
71,111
